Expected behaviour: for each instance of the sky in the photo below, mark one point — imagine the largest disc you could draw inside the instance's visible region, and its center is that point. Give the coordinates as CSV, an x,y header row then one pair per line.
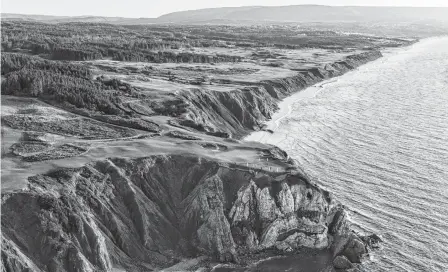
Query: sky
x,y
152,8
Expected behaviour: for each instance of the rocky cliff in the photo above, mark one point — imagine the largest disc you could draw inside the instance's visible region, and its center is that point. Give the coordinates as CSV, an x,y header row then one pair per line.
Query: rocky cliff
x,y
150,212
147,213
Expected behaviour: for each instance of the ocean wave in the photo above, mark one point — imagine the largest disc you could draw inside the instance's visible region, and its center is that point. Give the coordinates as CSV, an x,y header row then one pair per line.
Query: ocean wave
x,y
378,139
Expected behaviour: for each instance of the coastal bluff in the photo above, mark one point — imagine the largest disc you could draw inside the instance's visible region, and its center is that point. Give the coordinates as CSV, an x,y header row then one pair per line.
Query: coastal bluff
x,y
112,165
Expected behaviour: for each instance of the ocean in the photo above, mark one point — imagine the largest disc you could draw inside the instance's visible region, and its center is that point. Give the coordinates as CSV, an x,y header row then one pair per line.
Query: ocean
x,y
377,138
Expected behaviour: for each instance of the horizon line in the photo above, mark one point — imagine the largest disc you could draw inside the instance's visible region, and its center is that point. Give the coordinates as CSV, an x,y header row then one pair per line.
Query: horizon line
x,y
118,16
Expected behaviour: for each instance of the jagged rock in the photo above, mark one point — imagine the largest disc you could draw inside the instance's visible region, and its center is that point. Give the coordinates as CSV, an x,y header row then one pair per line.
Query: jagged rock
x,y
14,260
286,199
280,217
214,233
244,204
372,241
267,208
252,240
315,234
339,224
341,262
300,239
354,250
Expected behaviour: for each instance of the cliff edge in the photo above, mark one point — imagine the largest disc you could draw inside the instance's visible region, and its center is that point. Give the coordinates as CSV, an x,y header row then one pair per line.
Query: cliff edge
x,y
138,166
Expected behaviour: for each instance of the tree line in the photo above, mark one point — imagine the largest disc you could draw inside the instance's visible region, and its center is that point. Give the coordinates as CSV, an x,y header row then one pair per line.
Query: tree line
x,y
86,41
71,86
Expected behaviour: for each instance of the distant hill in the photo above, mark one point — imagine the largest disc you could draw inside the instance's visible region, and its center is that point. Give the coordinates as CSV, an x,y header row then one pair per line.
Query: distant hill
x,y
311,13
66,19
31,17
254,14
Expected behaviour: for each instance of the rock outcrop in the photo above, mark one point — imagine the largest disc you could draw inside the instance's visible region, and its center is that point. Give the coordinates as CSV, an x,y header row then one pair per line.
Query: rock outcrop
x,y
341,262
147,213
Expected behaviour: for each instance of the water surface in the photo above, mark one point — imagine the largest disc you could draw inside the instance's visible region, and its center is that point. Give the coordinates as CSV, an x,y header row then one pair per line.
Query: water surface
x,y
377,138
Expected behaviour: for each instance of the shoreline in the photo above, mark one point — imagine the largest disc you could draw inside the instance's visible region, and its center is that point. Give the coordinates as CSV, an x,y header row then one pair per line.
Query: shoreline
x,y
269,127
310,92
206,198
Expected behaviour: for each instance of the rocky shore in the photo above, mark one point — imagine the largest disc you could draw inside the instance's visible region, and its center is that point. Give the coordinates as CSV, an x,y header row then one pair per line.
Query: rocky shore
x,y
149,172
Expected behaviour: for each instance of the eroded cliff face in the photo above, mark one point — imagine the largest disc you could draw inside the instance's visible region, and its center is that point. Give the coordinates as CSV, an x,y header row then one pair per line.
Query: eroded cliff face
x,y
236,113
148,213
